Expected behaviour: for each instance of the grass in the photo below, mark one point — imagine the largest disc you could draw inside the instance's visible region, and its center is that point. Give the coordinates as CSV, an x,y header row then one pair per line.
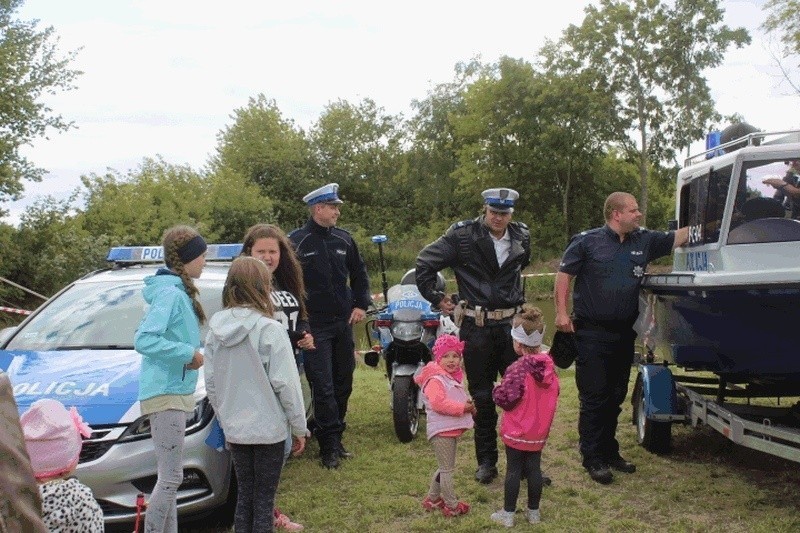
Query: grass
x,y
706,484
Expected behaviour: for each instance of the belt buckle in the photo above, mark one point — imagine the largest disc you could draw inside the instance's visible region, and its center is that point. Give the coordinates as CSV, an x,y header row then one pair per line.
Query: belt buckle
x,y
480,316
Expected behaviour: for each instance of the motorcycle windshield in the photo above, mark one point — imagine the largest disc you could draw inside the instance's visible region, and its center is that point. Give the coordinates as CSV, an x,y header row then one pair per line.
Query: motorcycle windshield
x,y
406,298
407,307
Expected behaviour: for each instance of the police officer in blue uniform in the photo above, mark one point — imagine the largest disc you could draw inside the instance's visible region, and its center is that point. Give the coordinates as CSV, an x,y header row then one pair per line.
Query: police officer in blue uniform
x,y
337,289
487,255
607,264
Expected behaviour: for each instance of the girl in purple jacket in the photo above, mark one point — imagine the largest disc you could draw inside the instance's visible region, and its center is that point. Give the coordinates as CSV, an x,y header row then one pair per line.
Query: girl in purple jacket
x,y
528,396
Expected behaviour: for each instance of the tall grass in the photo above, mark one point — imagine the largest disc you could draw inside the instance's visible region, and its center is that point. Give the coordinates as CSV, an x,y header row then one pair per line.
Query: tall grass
x,y
706,483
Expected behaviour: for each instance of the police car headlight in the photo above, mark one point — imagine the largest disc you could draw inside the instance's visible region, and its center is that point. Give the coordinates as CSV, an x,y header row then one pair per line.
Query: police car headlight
x,y
406,331
195,421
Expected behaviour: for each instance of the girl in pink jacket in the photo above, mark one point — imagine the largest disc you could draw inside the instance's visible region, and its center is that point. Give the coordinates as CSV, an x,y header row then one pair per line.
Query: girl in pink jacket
x,y
449,414
528,396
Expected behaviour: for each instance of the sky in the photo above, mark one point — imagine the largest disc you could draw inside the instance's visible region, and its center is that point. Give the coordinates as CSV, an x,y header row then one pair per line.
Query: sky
x,y
163,77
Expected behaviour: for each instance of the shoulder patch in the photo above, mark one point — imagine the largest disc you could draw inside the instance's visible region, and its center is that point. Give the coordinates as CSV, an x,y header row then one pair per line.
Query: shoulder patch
x,y
463,223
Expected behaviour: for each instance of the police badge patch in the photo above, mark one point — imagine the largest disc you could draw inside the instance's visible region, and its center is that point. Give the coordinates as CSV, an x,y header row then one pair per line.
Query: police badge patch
x,y
638,271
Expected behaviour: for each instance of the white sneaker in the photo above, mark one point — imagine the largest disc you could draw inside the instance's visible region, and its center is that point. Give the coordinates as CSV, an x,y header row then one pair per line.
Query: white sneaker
x,y
533,516
503,517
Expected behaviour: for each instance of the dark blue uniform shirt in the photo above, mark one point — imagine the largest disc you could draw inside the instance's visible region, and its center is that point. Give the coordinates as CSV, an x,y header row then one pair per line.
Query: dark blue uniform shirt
x,y
333,270
608,272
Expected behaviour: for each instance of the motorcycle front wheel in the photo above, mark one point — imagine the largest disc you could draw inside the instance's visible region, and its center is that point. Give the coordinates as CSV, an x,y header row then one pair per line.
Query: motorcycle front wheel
x,y
404,408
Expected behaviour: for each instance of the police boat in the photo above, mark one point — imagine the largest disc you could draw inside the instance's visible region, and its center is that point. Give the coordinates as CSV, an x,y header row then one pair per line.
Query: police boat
x,y
731,304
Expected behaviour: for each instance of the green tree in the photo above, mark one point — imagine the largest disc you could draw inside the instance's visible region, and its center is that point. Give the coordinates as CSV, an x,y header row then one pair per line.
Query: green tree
x,y
783,20
651,56
360,147
137,207
30,67
433,154
272,152
53,248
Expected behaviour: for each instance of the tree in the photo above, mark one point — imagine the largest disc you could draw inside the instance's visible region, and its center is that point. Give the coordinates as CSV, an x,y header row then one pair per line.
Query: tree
x,y
783,20
136,208
433,155
270,151
360,147
30,67
651,56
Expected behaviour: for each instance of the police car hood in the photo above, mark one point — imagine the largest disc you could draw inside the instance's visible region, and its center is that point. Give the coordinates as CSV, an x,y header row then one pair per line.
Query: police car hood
x,y
231,326
102,384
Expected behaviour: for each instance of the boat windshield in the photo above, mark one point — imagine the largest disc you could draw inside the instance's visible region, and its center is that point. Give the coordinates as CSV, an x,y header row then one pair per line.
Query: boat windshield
x,y
763,211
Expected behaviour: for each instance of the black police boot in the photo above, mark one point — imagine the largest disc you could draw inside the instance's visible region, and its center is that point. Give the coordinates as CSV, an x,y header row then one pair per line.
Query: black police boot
x,y
329,459
485,473
600,472
343,453
621,465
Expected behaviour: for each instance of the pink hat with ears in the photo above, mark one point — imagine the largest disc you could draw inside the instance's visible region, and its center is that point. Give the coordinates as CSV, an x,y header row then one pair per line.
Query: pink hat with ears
x,y
447,343
53,437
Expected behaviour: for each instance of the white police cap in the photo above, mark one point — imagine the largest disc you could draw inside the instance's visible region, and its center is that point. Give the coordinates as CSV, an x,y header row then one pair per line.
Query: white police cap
x,y
327,194
501,199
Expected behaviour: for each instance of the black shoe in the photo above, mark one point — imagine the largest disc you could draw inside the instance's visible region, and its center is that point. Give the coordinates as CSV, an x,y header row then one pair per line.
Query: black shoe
x,y
622,465
600,472
485,473
343,453
330,460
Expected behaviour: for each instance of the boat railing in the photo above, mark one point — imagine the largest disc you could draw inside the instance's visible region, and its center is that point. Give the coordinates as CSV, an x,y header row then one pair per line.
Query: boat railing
x,y
756,138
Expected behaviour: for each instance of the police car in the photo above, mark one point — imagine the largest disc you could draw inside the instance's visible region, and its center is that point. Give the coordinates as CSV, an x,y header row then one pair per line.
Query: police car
x,y
78,348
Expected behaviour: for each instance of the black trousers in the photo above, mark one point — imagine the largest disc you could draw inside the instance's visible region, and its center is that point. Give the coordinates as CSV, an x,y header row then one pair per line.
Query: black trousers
x,y
487,353
258,470
329,370
519,463
602,371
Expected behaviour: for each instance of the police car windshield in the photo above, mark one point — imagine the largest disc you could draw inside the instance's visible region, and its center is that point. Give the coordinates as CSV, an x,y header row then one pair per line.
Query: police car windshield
x,y
96,316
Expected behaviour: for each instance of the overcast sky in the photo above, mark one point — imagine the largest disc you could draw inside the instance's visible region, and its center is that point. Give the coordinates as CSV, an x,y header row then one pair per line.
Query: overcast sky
x,y
162,77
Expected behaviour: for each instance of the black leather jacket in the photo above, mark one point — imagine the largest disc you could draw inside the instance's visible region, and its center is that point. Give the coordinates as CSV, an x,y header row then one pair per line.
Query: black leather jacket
x,y
468,249
330,260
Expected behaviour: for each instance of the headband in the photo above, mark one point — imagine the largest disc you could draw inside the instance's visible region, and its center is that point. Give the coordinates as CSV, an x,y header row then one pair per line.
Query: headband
x,y
534,339
193,249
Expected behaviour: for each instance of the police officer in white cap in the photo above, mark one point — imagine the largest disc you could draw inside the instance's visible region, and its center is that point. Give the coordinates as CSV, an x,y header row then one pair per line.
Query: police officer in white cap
x,y
338,295
487,255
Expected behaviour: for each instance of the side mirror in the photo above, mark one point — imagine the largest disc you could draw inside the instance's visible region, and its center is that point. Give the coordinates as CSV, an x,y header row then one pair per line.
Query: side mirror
x,y
371,358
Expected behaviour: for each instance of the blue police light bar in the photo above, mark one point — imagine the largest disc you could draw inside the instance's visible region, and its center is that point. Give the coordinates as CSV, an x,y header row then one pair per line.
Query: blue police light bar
x,y
379,238
155,254
713,139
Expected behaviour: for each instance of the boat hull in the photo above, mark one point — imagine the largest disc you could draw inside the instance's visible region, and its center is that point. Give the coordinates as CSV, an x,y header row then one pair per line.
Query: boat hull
x,y
744,334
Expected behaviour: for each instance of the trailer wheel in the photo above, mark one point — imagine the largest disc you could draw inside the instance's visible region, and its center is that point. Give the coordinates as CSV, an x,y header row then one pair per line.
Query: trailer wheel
x,y
654,436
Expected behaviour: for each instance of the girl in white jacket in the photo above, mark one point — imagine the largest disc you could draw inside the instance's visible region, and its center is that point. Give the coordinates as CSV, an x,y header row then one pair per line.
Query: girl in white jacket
x,y
254,387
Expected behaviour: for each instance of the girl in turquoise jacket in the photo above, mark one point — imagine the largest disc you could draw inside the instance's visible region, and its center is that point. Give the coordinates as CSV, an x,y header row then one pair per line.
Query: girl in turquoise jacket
x,y
168,339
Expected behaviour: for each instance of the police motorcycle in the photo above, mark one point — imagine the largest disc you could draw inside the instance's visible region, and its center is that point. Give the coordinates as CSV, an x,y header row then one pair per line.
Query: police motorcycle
x,y
405,329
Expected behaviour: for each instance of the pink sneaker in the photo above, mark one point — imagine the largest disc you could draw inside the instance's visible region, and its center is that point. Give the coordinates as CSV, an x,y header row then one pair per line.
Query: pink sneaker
x,y
432,505
458,510
284,522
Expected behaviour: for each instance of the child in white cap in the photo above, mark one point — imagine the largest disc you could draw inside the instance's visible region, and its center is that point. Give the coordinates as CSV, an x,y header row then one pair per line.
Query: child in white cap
x,y
53,440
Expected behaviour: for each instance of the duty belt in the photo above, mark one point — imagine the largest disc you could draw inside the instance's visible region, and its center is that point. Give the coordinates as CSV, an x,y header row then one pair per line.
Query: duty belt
x,y
480,314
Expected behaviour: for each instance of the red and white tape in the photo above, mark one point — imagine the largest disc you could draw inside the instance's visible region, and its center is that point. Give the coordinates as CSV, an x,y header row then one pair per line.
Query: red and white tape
x,y
17,311
379,296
